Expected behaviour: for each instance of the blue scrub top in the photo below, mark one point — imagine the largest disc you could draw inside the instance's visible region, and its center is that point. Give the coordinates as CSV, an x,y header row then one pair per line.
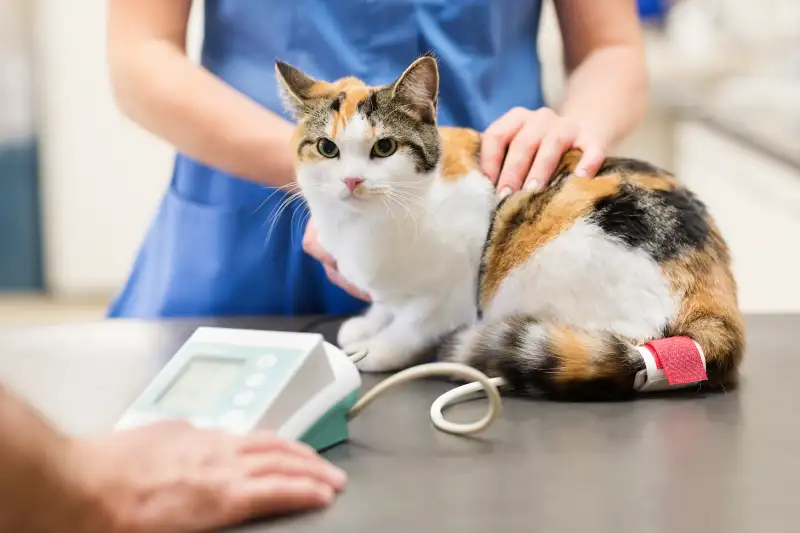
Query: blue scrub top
x,y
206,252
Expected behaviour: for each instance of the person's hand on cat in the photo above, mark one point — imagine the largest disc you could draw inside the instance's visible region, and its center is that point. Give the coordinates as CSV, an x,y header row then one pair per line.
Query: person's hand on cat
x,y
314,249
535,141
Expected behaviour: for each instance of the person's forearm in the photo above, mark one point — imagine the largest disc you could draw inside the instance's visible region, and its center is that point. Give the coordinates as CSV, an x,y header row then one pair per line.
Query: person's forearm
x,y
160,89
38,491
608,93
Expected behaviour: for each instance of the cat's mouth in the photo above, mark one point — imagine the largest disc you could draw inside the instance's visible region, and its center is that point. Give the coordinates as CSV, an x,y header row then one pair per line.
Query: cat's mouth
x,y
354,196
361,194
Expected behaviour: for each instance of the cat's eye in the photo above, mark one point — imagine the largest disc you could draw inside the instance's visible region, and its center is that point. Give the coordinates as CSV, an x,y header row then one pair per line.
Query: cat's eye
x,y
384,147
327,148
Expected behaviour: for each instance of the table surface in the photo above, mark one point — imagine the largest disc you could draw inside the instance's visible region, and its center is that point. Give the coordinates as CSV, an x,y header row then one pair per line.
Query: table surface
x,y
725,462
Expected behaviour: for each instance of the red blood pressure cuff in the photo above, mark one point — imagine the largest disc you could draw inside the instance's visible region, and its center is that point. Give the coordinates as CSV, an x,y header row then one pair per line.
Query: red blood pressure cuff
x,y
670,363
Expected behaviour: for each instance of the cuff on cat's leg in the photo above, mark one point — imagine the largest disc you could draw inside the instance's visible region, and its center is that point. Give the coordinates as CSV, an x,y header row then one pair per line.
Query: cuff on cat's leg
x,y
671,363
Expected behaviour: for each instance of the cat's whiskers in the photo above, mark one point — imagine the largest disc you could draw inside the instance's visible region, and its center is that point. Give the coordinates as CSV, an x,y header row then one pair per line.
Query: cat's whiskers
x,y
279,211
305,218
292,187
408,200
291,222
391,213
411,187
409,197
395,196
415,182
419,202
281,207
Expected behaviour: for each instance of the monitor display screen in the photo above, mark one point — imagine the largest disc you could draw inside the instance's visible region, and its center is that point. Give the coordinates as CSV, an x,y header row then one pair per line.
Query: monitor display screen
x,y
201,384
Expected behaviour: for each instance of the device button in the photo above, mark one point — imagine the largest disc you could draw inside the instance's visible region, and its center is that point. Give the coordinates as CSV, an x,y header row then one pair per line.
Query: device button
x,y
243,398
234,416
255,380
267,361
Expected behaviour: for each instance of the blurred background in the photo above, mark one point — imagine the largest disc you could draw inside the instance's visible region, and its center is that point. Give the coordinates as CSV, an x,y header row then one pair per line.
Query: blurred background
x,y
725,116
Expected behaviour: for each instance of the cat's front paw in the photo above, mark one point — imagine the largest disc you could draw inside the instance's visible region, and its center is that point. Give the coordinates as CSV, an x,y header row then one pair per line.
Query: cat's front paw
x,y
354,330
381,356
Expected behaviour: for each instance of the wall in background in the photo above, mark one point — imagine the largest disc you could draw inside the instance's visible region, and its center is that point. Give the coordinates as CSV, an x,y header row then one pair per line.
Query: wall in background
x,y
102,176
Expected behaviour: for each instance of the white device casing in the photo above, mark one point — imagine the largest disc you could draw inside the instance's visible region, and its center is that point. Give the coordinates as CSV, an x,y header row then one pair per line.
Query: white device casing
x,y
346,380
653,379
323,378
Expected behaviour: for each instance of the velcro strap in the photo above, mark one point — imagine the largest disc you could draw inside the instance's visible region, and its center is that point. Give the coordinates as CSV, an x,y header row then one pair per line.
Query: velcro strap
x,y
679,358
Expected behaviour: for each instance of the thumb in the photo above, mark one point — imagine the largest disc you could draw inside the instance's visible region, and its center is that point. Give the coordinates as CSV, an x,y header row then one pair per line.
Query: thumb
x,y
313,248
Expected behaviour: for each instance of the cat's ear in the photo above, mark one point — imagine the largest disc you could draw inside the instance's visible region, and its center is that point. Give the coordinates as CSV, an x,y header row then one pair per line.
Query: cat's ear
x,y
417,89
295,86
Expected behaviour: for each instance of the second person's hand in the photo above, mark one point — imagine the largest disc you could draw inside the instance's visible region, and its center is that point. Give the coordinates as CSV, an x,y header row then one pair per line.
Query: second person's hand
x,y
522,149
172,477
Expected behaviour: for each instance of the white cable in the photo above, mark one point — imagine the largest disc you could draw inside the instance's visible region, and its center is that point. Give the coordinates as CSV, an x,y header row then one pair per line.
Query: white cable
x,y
443,369
458,393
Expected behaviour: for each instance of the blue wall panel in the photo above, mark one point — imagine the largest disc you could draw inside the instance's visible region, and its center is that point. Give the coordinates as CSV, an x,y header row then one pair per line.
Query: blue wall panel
x,y
20,227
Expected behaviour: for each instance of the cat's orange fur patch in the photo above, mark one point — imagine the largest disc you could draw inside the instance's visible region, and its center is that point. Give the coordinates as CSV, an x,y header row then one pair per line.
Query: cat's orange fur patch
x,y
460,152
655,182
569,161
325,89
709,310
354,91
582,356
571,352
308,152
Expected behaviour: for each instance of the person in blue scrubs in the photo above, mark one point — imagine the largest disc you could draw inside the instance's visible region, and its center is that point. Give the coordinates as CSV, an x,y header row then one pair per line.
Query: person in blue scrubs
x,y
227,238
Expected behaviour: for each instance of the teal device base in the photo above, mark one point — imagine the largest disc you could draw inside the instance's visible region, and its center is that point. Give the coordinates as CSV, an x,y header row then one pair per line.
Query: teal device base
x,y
331,429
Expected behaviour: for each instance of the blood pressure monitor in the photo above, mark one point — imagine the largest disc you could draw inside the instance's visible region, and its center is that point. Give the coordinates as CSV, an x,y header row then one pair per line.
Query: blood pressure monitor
x,y
294,384
239,380
306,389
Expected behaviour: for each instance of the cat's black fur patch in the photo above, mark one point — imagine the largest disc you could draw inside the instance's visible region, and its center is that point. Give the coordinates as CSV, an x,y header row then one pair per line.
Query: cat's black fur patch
x,y
482,265
422,138
527,381
632,166
424,162
302,144
690,213
621,215
597,390
336,104
368,106
661,222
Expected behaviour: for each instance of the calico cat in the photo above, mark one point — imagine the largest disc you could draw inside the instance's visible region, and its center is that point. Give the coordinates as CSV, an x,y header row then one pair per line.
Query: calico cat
x,y
552,291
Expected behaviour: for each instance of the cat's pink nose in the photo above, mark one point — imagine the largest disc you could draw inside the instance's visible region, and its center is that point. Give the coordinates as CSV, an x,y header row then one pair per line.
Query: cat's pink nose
x,y
352,183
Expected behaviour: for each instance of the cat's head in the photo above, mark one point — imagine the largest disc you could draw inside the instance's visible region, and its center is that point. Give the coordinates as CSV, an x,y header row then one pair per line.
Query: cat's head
x,y
358,147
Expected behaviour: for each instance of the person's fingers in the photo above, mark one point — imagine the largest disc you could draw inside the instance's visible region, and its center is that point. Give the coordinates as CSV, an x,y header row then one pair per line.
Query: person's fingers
x,y
553,146
495,141
339,280
277,495
593,157
294,466
264,442
312,246
520,156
